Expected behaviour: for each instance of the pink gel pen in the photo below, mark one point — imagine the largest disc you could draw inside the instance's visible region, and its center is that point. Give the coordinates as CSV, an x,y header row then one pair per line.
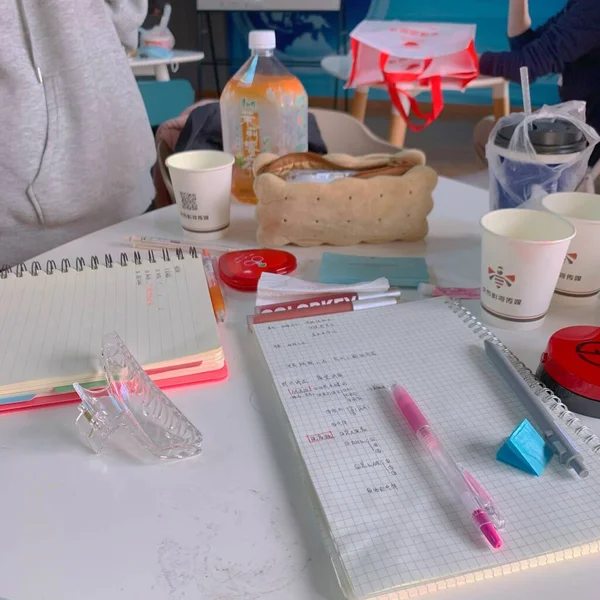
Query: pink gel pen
x,y
462,484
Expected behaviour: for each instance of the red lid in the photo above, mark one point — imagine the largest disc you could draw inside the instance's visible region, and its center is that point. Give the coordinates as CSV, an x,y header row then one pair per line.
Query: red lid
x,y
242,269
572,359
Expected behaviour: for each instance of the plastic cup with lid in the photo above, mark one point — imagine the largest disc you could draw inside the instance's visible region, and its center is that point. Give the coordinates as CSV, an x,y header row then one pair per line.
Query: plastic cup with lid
x,y
554,166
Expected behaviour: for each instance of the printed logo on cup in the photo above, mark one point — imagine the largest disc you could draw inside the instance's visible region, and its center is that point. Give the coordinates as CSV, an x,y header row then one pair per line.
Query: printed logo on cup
x,y
570,258
499,292
567,279
499,279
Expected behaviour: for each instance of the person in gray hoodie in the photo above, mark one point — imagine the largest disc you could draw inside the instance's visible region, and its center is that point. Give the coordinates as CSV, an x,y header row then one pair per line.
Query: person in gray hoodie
x,y
77,147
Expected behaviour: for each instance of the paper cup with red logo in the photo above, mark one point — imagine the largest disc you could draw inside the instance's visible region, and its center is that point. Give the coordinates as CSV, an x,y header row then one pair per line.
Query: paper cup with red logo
x,y
579,279
522,255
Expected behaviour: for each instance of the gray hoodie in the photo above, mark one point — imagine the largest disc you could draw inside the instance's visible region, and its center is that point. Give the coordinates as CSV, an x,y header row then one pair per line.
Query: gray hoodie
x,y
76,146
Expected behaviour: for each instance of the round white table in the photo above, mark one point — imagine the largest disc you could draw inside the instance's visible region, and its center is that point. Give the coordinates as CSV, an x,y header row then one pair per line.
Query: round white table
x,y
159,67
339,66
235,523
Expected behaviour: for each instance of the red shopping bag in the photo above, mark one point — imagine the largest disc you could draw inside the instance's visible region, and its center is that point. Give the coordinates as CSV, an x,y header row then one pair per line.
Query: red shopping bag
x,y
403,55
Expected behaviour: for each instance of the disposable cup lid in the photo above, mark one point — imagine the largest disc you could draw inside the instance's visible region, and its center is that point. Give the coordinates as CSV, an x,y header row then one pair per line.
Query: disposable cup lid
x,y
548,136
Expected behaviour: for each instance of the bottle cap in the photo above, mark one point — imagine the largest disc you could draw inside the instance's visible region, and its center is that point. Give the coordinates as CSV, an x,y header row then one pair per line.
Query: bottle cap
x,y
242,269
570,367
261,39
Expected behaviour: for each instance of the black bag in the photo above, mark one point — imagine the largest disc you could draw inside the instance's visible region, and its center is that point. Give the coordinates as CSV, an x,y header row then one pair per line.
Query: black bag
x,y
202,131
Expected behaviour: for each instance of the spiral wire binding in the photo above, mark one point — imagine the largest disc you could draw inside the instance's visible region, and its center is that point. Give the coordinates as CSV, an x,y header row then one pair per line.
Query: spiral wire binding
x,y
552,402
65,264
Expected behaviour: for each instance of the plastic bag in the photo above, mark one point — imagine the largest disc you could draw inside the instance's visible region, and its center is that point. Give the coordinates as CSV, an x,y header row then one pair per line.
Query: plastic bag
x,y
158,42
532,156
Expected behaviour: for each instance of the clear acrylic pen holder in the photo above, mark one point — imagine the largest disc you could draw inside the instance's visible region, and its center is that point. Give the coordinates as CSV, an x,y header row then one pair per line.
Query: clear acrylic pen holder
x,y
131,400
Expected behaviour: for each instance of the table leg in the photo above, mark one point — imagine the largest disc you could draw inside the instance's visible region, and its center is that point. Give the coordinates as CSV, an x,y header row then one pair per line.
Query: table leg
x,y
358,109
501,100
161,73
397,127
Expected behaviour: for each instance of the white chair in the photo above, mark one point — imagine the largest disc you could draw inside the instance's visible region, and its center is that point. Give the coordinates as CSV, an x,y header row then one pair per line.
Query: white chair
x,y
342,133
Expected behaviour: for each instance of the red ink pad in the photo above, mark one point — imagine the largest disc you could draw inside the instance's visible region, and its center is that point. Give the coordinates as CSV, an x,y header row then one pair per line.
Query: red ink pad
x,y
242,269
570,367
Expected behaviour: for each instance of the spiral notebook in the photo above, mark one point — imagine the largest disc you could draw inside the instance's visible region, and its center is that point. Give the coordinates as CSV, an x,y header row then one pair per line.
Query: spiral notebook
x,y
54,317
390,532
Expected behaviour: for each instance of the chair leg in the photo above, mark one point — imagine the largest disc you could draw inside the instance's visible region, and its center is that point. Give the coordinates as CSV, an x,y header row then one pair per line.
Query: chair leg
x,y
358,108
501,100
397,128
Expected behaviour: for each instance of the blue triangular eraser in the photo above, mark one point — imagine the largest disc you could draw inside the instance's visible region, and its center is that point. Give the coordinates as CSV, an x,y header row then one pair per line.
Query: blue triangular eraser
x,y
508,456
526,450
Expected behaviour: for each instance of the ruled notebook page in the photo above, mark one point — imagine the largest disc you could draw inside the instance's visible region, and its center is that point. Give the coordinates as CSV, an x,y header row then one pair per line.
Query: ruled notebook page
x,y
394,528
51,326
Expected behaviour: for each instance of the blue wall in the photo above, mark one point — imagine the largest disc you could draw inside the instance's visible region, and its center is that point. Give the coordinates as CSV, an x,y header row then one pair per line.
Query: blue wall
x,y
304,38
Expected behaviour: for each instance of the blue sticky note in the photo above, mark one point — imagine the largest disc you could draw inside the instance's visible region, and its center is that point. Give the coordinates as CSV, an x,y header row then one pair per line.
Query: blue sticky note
x,y
346,268
525,449
17,399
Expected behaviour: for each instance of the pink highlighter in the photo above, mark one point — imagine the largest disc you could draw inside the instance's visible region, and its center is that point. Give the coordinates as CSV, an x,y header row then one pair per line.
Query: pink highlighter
x,y
461,483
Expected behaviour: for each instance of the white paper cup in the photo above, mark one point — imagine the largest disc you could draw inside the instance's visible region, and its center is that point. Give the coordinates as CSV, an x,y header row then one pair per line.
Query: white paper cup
x,y
579,280
202,187
522,255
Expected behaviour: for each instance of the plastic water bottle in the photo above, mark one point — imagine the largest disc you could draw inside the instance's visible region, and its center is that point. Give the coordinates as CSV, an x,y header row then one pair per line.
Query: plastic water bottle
x,y
264,108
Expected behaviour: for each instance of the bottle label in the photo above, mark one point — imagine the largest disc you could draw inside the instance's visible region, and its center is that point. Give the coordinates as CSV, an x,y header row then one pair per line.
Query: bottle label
x,y
250,134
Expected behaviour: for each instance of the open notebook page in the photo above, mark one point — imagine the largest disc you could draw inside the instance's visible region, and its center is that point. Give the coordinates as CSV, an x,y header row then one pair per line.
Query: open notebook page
x,y
392,525
51,326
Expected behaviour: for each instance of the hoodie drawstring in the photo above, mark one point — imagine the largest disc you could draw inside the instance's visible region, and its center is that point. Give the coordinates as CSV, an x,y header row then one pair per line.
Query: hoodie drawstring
x,y
29,40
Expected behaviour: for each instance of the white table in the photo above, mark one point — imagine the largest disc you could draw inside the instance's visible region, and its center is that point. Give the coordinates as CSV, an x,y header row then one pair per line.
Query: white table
x,y
339,66
159,67
236,522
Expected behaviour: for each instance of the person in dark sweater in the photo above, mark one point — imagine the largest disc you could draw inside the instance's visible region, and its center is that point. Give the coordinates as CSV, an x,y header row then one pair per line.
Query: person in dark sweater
x,y
568,45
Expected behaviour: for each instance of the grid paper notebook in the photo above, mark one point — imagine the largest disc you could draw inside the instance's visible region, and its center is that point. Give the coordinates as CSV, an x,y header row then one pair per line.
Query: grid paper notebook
x,y
53,320
393,531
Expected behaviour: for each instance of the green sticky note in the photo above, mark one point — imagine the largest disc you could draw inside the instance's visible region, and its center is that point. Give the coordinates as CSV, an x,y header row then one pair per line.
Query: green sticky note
x,y
347,268
526,450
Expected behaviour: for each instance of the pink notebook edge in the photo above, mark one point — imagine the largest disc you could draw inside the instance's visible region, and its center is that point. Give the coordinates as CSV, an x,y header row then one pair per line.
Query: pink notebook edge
x,y
70,397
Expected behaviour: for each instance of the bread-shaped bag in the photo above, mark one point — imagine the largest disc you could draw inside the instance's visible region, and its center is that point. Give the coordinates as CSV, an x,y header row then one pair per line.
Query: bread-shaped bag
x,y
387,199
